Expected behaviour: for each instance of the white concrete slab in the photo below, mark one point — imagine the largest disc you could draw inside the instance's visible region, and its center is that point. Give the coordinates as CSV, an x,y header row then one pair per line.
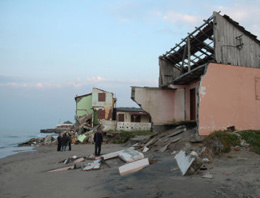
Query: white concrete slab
x,y
130,155
133,167
184,161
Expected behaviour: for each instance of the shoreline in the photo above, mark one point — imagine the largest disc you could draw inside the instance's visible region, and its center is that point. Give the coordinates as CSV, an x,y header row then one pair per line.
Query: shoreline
x,y
235,174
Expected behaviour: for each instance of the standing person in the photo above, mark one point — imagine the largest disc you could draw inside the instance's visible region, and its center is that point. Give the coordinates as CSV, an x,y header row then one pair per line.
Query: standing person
x,y
64,142
59,142
98,139
69,140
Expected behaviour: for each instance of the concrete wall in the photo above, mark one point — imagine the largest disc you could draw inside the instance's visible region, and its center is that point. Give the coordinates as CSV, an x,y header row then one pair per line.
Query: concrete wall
x,y
108,125
164,105
134,126
228,98
84,106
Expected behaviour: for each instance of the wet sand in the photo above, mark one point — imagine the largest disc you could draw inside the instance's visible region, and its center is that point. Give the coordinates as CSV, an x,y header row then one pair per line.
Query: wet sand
x,y
236,174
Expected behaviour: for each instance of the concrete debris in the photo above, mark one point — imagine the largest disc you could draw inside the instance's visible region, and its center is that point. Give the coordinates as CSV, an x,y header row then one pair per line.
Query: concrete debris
x,y
184,161
145,149
205,160
93,166
194,154
166,141
48,139
207,175
133,166
62,169
130,155
79,160
111,155
39,141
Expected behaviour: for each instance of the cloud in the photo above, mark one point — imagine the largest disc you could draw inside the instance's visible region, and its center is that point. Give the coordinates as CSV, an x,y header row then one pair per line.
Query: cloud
x,y
179,19
94,81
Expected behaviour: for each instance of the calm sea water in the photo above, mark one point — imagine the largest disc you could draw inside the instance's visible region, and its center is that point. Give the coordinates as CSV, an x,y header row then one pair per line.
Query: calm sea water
x,y
9,140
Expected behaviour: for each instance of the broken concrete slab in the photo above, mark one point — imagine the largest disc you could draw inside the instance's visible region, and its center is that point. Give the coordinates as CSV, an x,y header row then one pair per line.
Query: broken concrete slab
x,y
92,166
111,155
145,149
79,160
184,161
177,131
164,148
130,155
61,169
207,175
133,166
152,141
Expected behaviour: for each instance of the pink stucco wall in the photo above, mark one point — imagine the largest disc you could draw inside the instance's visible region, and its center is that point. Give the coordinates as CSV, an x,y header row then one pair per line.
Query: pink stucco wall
x,y
164,105
228,98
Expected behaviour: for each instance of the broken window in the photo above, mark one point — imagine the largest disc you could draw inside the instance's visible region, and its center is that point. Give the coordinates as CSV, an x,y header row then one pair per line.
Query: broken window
x,y
135,118
101,97
257,88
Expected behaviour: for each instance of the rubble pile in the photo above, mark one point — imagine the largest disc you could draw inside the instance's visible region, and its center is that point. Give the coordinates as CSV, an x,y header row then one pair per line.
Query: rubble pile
x,y
40,141
171,140
134,161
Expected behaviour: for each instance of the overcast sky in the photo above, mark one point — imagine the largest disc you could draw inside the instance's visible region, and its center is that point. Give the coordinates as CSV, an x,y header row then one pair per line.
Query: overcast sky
x,y
53,50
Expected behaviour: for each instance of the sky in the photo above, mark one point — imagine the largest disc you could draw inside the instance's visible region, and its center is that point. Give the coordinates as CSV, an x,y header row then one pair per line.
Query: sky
x,y
54,50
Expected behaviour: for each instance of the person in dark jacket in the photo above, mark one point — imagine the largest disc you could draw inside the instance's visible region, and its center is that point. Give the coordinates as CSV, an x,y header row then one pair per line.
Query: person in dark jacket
x,y
98,139
69,141
64,142
59,142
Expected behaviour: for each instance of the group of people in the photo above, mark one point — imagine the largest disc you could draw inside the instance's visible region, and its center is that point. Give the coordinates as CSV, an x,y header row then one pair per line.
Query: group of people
x,y
64,140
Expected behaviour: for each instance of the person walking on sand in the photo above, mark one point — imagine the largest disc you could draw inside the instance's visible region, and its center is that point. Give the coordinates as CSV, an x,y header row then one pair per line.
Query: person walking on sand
x,y
59,142
64,142
98,139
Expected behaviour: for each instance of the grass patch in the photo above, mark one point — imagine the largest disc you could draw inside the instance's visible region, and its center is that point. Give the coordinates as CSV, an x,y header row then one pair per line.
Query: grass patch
x,y
252,137
221,141
126,135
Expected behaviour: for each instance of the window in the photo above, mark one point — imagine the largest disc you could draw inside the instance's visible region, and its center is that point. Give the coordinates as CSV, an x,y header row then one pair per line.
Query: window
x,y
101,97
121,117
257,88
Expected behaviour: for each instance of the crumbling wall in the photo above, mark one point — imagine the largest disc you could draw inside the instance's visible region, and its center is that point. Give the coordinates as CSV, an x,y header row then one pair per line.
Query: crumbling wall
x,y
165,106
228,97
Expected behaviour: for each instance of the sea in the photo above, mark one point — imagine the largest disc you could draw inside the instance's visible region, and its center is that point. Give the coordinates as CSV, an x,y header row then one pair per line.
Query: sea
x,y
9,140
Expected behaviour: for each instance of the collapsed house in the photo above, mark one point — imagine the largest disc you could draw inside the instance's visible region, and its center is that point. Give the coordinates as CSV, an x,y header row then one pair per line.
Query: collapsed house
x,y
93,107
212,77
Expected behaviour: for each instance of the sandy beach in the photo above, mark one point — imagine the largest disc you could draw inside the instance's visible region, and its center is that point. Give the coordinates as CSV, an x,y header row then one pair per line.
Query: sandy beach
x,y
235,174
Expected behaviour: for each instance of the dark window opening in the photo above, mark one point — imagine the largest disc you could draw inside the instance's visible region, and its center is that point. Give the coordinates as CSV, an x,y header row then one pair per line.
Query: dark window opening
x,y
101,97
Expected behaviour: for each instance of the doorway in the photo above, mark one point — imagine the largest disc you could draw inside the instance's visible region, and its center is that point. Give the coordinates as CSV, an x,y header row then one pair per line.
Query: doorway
x,y
192,104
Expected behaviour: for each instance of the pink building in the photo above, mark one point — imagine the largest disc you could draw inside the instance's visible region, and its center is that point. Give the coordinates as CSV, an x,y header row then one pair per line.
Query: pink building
x,y
212,77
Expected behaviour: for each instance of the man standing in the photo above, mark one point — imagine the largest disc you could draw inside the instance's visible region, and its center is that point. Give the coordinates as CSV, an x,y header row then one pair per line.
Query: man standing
x,y
59,142
98,139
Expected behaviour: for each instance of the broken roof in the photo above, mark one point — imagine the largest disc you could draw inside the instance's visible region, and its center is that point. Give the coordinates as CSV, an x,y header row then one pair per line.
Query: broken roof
x,y
198,47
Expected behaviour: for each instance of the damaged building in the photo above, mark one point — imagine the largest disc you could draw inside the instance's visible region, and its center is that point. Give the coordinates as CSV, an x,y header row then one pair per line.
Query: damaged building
x,y
212,78
93,107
